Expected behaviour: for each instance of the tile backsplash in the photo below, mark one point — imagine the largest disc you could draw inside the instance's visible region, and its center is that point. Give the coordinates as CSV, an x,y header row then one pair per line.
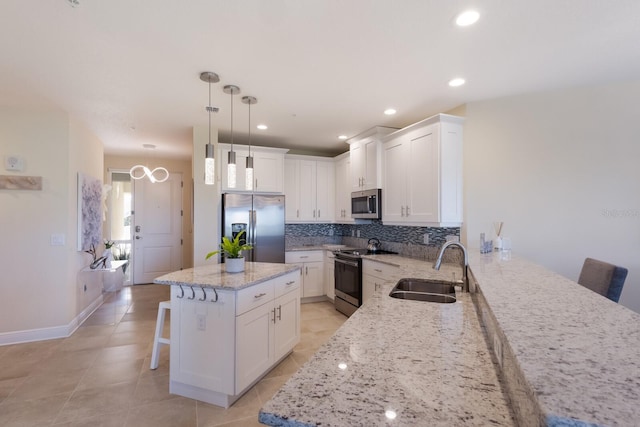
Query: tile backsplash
x,y
405,240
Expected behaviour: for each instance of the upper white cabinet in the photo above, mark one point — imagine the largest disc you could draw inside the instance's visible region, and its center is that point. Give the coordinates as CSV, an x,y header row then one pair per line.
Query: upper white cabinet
x,y
309,189
422,173
343,189
268,168
365,151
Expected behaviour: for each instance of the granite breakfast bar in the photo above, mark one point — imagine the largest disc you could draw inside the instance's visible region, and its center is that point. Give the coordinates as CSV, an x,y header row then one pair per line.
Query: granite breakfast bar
x,y
563,356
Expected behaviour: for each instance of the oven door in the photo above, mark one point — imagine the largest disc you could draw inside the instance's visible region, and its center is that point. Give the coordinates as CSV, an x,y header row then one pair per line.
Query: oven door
x,y
348,280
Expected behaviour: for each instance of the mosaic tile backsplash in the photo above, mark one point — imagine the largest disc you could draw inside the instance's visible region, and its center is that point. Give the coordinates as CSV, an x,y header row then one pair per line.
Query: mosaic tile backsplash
x,y
402,239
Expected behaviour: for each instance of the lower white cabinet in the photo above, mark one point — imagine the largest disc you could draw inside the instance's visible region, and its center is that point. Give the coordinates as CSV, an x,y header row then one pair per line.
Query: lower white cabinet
x,y
312,273
329,274
221,347
264,335
374,274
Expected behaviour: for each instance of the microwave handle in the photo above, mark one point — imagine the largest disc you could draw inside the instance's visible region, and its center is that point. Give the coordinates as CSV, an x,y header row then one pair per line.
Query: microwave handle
x,y
372,204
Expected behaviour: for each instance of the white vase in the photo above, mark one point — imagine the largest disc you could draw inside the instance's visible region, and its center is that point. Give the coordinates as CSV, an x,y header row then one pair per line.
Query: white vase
x,y
234,265
109,257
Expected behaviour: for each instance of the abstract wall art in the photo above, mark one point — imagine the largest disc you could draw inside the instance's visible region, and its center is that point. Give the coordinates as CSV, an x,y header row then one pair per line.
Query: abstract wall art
x,y
89,212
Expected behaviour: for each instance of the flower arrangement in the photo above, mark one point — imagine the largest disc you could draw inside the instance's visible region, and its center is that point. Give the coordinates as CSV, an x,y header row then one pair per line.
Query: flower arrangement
x,y
231,248
108,243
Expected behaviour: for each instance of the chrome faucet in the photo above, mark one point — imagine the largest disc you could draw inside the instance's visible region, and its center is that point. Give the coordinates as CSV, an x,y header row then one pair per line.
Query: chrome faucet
x,y
465,262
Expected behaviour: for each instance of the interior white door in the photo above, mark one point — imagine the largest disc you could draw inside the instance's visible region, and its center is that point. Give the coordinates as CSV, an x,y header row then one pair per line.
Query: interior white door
x,y
157,236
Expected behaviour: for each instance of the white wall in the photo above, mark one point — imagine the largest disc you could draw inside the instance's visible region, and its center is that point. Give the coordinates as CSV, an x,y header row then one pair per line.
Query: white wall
x,y
38,280
561,169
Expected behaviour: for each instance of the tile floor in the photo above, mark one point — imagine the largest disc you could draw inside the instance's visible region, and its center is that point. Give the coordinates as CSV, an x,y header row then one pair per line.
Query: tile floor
x,y
100,375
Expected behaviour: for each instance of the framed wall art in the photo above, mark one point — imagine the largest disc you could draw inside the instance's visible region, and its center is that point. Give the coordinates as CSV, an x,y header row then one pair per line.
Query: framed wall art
x,y
89,212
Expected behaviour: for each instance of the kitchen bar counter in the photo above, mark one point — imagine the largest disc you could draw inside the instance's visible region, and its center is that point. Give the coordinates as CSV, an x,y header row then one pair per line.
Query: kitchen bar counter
x,y
426,362
570,356
214,276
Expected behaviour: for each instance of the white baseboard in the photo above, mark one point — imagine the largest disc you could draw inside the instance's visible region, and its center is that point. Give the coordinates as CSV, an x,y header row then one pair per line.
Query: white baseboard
x,y
30,335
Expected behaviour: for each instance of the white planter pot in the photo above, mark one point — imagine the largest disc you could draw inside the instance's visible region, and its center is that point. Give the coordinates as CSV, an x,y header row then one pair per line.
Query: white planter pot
x,y
234,265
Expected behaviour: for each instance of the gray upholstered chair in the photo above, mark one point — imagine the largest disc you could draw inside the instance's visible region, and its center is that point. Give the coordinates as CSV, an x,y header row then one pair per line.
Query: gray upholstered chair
x,y
603,278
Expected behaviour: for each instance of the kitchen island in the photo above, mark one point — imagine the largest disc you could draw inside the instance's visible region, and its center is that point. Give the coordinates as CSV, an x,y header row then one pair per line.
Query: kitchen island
x,y
567,356
229,330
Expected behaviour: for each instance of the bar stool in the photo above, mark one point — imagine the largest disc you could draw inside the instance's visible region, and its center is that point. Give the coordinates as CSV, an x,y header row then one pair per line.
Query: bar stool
x,y
158,340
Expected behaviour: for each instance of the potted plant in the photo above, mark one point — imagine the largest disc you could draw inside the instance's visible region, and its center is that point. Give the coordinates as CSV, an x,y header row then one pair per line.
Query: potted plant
x,y
232,251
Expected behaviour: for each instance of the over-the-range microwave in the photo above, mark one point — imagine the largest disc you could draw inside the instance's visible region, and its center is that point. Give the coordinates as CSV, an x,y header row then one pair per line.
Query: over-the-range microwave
x,y
366,204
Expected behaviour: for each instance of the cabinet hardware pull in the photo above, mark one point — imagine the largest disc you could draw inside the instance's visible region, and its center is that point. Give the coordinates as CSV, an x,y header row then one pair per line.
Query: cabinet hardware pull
x,y
256,183
304,256
401,210
318,213
279,312
378,270
274,315
204,294
216,294
306,271
297,213
181,295
291,283
259,295
407,210
193,293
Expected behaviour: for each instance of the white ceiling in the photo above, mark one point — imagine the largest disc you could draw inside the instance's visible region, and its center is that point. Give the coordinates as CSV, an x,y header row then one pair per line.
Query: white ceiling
x,y
319,68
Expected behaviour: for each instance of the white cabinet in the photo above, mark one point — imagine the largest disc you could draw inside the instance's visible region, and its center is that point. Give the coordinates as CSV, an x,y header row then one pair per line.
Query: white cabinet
x,y
268,168
374,274
365,150
329,274
223,342
268,332
422,173
343,189
309,189
312,273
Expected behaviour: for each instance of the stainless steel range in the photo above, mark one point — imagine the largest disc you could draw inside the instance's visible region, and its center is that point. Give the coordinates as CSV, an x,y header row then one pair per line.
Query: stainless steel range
x,y
348,278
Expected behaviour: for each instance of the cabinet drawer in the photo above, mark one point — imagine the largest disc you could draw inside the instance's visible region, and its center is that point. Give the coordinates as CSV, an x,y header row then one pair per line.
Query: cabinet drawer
x,y
378,269
254,296
304,256
287,283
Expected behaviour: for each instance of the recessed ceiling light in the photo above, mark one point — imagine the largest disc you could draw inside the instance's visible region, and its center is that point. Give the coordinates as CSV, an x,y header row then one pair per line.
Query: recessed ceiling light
x,y
262,127
456,82
389,111
390,414
467,18
343,137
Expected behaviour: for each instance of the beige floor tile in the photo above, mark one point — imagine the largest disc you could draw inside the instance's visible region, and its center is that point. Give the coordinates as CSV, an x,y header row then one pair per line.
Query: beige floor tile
x,y
117,419
99,401
94,330
267,387
68,361
36,412
244,422
152,389
123,352
46,384
178,412
288,366
76,343
110,373
8,386
134,337
211,415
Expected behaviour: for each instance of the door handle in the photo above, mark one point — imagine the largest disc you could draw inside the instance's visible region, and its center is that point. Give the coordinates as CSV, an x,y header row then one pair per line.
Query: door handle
x,y
137,228
138,237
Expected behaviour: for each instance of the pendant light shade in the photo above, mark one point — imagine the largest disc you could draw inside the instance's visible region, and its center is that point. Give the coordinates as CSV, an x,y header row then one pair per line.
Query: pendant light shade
x,y
158,174
249,167
231,165
209,158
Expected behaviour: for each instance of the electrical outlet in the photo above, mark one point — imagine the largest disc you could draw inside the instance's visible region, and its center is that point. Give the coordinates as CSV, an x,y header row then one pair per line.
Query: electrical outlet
x,y
57,239
425,238
358,233
331,232
353,233
202,322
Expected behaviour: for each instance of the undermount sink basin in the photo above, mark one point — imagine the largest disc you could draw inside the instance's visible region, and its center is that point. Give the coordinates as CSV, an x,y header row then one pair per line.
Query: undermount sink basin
x,y
424,290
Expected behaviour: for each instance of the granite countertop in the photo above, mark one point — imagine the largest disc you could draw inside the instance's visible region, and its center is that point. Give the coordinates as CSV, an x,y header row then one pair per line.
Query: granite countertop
x,y
576,353
426,362
214,276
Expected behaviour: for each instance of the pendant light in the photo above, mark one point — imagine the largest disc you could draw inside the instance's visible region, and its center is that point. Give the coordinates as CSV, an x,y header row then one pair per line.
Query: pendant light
x,y
158,174
249,169
231,165
209,159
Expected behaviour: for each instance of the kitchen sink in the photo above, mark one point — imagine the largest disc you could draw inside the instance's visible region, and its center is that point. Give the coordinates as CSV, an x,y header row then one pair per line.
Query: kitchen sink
x,y
424,290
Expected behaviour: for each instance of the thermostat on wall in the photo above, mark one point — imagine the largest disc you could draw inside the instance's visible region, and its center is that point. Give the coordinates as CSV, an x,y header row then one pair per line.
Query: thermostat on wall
x,y
14,163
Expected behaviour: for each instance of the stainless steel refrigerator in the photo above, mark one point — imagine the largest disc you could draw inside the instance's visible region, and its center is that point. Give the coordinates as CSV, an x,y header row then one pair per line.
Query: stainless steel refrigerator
x,y
262,218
